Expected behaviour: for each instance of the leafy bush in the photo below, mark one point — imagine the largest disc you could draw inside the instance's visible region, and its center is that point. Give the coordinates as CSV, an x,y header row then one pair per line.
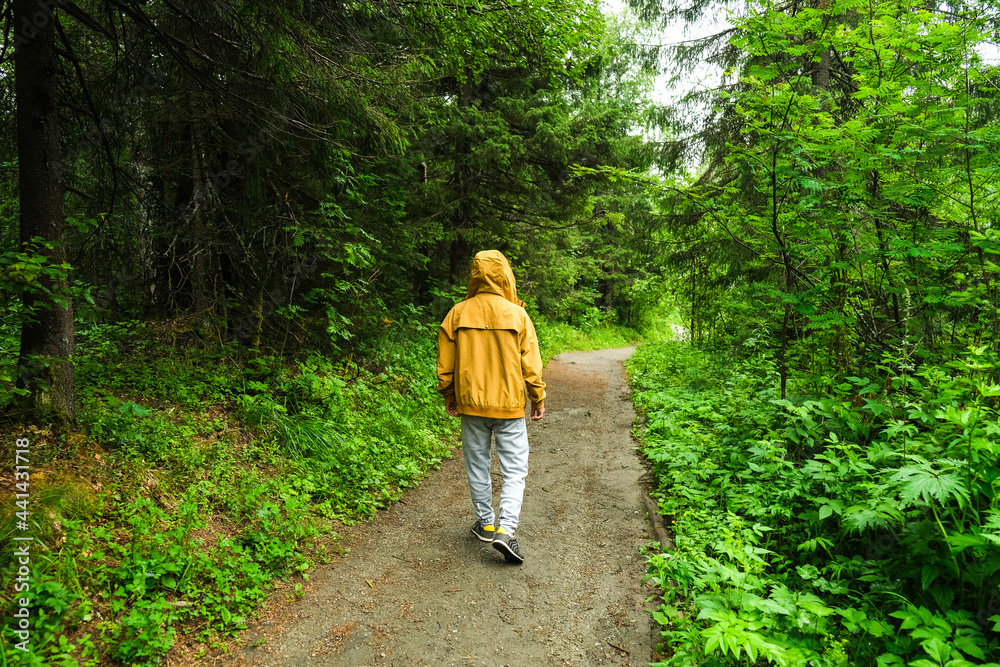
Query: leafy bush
x,y
557,337
857,527
213,481
133,429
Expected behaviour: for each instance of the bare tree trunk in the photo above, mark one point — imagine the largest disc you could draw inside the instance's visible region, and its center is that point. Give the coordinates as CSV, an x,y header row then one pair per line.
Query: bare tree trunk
x,y
783,354
45,364
461,249
203,293
460,259
820,74
694,302
786,264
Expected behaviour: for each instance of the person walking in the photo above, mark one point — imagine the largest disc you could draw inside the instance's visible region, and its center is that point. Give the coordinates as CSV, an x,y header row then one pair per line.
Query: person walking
x,y
488,366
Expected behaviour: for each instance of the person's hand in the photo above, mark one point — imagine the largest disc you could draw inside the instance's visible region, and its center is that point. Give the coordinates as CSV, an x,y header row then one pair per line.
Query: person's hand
x,y
452,408
537,413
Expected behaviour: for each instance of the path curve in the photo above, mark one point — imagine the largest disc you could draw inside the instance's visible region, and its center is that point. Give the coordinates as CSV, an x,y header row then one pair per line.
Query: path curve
x,y
437,596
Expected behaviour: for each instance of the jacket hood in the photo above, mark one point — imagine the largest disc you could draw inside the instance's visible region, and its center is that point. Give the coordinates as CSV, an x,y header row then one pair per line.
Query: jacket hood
x,y
491,274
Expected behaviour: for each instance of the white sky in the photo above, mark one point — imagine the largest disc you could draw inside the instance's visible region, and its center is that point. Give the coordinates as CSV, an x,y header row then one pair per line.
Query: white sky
x,y
706,75
709,75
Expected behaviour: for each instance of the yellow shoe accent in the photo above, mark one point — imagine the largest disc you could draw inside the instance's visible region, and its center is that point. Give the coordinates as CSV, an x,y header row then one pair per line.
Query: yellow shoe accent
x,y
502,531
483,533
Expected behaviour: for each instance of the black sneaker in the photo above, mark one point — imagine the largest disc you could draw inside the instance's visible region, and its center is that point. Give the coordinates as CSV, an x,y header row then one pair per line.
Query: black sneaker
x,y
483,532
507,545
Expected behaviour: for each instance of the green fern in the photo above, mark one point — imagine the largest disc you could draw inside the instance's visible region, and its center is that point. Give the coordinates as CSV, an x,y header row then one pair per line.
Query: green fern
x,y
926,482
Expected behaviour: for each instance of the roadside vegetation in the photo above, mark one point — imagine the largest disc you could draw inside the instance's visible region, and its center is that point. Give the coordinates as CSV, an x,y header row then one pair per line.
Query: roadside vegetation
x,y
826,443
197,477
199,481
846,525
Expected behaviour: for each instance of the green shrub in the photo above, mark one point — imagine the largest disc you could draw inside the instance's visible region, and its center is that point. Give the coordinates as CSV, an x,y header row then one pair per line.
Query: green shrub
x,y
216,479
858,527
557,337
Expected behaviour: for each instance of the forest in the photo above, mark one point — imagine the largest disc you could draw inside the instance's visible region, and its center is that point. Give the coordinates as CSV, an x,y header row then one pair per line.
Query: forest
x,y
229,230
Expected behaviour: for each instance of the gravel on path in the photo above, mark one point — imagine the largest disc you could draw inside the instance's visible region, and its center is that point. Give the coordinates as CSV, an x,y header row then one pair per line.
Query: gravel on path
x,y
417,588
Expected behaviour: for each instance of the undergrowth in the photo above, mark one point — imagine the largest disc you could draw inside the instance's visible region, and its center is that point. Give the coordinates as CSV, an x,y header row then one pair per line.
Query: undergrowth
x,y
558,337
858,527
199,478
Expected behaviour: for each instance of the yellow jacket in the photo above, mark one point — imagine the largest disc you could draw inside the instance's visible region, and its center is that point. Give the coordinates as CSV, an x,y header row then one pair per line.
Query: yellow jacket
x,y
487,347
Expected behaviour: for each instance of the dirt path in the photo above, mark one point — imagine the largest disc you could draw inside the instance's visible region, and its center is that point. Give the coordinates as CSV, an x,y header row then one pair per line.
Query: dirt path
x,y
418,589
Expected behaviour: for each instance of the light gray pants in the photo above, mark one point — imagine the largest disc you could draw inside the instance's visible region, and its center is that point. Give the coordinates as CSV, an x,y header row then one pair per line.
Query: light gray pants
x,y
512,450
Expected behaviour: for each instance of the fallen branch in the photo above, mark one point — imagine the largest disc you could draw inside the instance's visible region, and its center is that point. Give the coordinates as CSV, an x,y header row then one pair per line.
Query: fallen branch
x,y
658,528
623,650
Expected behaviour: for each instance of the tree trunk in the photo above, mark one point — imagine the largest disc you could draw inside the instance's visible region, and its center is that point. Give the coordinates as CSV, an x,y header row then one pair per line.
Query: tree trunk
x,y
204,296
460,260
461,249
821,71
45,364
694,303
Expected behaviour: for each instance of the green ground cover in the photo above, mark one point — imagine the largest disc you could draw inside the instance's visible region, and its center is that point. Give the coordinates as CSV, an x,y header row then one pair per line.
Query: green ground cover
x,y
557,337
855,527
199,480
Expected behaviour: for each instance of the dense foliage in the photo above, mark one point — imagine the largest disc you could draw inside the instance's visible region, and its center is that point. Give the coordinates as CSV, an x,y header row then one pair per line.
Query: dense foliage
x,y
849,185
205,476
227,232
856,527
289,175
830,461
